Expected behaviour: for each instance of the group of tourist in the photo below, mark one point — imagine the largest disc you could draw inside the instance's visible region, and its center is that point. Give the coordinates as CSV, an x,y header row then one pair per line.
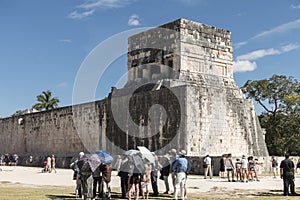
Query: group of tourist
x,y
135,180
243,170
135,183
9,159
89,184
49,164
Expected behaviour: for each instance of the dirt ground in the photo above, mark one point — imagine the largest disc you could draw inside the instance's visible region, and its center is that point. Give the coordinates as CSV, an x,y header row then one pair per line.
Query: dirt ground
x,y
33,177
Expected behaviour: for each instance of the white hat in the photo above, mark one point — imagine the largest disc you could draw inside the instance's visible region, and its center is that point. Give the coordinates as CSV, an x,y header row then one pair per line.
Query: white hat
x,y
81,154
172,152
182,152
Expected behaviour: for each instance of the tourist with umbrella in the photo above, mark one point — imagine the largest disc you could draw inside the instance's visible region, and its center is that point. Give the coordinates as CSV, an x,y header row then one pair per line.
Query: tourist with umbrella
x,y
88,164
102,175
123,172
137,168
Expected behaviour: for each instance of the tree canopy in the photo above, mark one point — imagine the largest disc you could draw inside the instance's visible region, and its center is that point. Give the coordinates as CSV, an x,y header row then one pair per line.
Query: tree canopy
x,y
279,96
46,101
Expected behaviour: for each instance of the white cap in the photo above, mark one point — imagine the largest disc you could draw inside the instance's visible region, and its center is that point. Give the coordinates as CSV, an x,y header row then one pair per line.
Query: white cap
x,y
81,154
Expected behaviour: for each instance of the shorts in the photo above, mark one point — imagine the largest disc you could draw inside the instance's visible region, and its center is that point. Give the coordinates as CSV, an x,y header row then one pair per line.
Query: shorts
x,y
134,179
230,169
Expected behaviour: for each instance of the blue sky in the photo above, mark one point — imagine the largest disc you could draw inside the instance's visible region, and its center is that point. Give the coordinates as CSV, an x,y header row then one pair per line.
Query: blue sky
x,y
43,43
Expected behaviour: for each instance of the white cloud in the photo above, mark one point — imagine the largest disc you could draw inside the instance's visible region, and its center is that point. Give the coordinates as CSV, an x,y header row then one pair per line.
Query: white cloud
x,y
290,47
134,20
278,29
65,40
246,62
244,66
258,54
295,6
80,15
90,6
268,52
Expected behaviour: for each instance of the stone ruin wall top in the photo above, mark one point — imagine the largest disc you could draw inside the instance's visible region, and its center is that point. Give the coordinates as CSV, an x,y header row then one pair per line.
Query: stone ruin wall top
x,y
189,48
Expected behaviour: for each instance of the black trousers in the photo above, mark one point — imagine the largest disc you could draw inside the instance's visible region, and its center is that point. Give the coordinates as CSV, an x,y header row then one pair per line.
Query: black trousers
x,y
154,183
288,181
124,183
97,182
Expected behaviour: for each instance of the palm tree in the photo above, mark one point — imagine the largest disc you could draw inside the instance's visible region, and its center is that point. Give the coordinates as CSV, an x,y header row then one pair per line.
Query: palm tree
x,y
46,101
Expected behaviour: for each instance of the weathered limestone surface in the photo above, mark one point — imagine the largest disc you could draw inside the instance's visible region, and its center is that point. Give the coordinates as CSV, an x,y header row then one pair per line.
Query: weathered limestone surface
x,y
218,118
180,94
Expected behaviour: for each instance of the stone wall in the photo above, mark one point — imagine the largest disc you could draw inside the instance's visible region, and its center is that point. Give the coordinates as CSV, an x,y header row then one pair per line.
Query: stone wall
x,y
180,94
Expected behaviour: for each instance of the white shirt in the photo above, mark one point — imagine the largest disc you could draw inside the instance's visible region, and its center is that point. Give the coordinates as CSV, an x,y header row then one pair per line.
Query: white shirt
x,y
207,160
244,163
228,163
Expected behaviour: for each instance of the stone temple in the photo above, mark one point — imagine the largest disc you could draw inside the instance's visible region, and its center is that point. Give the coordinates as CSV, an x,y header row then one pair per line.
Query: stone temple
x,y
180,93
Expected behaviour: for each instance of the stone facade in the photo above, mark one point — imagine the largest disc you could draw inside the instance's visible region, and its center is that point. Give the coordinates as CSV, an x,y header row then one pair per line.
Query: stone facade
x,y
180,94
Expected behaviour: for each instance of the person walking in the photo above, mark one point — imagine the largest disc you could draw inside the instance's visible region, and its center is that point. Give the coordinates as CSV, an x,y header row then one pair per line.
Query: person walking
x,y
48,166
53,163
287,173
180,168
207,162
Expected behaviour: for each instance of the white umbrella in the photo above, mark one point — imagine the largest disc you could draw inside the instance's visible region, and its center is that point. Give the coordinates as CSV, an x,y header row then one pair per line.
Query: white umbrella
x,y
146,154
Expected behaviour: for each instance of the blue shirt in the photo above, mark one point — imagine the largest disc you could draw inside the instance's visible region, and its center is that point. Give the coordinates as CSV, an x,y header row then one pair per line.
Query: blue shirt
x,y
180,165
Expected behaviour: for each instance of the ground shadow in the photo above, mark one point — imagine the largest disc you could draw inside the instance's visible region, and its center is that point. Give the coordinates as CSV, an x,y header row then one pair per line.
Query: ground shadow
x,y
54,196
113,196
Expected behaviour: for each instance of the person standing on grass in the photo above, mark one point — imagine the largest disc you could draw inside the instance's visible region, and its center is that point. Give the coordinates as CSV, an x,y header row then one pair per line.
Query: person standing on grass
x,y
165,172
156,166
173,154
97,183
180,168
287,173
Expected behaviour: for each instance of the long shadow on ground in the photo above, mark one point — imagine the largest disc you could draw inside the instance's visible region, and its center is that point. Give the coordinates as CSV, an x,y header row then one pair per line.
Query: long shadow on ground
x,y
113,196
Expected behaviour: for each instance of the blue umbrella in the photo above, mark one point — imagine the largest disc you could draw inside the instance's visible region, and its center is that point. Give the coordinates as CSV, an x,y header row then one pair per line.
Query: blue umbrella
x,y
105,157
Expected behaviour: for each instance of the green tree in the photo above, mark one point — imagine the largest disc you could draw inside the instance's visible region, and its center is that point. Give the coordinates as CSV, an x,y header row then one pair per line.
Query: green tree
x,y
279,96
46,101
